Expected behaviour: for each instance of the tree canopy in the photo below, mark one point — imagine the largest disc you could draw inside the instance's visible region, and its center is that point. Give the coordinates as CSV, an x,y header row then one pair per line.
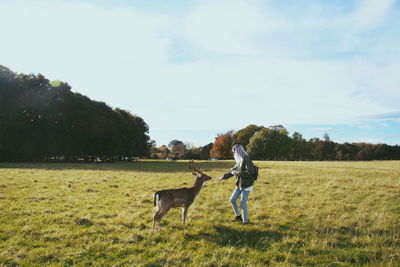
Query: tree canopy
x,y
243,136
40,120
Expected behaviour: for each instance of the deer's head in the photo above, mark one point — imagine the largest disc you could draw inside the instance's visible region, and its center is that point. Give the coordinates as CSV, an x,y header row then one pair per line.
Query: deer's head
x,y
198,173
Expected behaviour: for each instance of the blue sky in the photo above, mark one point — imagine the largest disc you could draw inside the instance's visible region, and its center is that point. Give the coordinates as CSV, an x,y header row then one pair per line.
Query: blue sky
x,y
193,69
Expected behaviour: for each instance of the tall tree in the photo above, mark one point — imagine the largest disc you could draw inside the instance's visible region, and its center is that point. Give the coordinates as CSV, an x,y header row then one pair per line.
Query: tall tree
x,y
222,147
178,148
300,148
243,135
271,143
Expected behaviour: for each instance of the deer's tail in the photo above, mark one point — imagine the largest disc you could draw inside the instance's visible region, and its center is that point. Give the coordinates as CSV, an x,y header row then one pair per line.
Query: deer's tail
x,y
156,198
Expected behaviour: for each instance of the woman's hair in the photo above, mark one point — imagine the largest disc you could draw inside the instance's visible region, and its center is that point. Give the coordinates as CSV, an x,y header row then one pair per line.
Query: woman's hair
x,y
238,152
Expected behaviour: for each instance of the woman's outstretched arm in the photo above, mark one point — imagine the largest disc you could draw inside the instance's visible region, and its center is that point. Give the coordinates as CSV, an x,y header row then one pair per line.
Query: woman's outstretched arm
x,y
229,174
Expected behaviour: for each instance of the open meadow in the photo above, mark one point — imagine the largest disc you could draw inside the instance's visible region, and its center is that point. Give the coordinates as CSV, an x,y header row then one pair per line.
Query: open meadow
x,y
302,214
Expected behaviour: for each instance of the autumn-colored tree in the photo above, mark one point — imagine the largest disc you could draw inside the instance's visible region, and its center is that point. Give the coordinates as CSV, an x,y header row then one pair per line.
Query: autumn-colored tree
x,y
163,152
178,148
222,147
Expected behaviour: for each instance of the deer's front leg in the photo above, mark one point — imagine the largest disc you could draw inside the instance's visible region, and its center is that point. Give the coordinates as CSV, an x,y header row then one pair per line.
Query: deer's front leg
x,y
184,214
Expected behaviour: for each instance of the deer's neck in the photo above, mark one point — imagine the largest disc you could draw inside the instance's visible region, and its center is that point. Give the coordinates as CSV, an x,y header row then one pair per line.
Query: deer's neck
x,y
198,184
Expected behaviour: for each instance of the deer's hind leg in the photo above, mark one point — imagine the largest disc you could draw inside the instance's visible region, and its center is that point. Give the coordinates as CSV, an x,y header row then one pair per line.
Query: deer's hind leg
x,y
161,211
156,218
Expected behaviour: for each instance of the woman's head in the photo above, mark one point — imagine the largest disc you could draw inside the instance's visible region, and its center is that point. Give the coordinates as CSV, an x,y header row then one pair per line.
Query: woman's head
x,y
238,152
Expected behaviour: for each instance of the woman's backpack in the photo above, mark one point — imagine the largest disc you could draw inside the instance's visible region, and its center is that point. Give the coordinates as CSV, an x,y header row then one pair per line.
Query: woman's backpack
x,y
255,172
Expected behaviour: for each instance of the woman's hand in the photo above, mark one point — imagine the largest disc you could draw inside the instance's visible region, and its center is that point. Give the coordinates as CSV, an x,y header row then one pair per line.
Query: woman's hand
x,y
220,179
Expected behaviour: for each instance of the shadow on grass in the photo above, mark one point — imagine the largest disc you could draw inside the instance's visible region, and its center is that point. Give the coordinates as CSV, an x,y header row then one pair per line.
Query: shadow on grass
x,y
141,166
229,236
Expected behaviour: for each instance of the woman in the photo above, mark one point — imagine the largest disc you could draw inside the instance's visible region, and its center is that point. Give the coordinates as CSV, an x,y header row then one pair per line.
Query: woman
x,y
243,170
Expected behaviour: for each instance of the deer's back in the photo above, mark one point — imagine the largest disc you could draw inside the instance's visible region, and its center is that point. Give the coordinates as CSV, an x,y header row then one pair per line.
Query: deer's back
x,y
177,197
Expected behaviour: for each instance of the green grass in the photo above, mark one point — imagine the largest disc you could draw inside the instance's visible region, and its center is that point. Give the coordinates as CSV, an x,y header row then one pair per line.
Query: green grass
x,y
302,213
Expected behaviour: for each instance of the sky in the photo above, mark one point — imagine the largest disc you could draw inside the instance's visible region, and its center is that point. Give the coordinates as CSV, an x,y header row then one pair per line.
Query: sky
x,y
195,69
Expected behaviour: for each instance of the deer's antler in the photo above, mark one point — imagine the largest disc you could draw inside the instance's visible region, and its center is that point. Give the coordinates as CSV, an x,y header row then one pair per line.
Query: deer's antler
x,y
191,166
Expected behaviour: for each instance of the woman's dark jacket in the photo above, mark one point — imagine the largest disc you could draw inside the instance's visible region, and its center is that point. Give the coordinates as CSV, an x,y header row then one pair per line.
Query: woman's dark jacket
x,y
244,177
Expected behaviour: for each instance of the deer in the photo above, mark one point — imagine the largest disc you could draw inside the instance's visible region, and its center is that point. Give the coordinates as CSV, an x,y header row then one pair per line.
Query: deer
x,y
164,200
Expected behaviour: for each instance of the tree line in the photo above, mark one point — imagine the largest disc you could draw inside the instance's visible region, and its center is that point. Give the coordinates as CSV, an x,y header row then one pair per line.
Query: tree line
x,y
274,143
41,120
177,149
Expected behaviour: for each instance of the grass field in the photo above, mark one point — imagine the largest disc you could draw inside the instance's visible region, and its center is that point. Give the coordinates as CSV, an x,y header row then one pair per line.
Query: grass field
x,y
302,213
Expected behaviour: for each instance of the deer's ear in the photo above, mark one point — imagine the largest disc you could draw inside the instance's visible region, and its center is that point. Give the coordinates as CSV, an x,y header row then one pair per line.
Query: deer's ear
x,y
194,173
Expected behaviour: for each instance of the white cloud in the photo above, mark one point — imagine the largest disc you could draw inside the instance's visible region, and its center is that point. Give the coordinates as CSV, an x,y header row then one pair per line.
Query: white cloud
x,y
370,12
233,26
83,33
250,62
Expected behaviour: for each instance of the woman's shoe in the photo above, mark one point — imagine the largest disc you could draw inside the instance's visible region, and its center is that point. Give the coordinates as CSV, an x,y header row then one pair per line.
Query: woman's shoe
x,y
247,222
236,219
